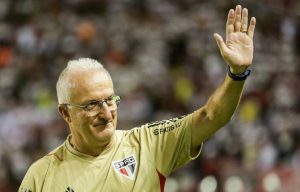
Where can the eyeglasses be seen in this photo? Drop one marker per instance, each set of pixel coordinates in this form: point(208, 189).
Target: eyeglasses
point(95, 106)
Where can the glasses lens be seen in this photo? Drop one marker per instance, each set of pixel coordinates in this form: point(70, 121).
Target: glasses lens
point(117, 100)
point(111, 103)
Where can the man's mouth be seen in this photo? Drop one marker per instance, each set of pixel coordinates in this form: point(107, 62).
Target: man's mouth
point(102, 123)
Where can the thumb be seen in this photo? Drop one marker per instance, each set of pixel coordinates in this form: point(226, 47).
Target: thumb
point(222, 46)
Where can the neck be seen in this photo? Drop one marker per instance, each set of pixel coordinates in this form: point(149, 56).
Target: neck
point(94, 149)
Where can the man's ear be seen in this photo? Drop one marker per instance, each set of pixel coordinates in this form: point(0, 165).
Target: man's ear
point(64, 112)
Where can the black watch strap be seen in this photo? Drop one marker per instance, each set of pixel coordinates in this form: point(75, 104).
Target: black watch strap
point(239, 77)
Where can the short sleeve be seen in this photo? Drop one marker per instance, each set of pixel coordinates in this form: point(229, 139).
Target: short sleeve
point(169, 142)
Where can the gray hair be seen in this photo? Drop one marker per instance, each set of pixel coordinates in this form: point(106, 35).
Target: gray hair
point(64, 82)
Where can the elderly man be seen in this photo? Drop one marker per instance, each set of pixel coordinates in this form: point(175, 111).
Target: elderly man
point(97, 157)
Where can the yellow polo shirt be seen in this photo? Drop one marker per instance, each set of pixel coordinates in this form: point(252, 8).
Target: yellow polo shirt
point(139, 160)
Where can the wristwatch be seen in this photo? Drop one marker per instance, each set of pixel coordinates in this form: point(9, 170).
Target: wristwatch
point(239, 77)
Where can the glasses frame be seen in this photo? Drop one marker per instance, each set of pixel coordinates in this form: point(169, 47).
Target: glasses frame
point(99, 102)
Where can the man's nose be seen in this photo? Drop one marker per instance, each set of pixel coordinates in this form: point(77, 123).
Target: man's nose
point(105, 112)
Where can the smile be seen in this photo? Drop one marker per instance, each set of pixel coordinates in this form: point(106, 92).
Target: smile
point(102, 123)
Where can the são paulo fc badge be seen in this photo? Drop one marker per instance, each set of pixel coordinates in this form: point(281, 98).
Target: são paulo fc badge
point(126, 167)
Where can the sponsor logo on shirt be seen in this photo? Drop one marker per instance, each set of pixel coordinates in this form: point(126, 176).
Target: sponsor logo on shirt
point(167, 128)
point(126, 167)
point(69, 189)
point(22, 189)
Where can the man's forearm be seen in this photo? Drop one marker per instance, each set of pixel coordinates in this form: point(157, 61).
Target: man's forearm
point(237, 52)
point(218, 110)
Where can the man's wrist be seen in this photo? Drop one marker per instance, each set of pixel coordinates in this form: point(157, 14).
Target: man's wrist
point(237, 71)
point(238, 75)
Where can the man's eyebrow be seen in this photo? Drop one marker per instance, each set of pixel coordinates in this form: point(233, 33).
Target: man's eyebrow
point(89, 101)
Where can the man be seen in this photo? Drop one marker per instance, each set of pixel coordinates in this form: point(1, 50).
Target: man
point(97, 157)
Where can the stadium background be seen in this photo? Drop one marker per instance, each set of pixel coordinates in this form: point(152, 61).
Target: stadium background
point(165, 63)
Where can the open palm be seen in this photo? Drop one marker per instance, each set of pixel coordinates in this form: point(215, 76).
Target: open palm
point(238, 49)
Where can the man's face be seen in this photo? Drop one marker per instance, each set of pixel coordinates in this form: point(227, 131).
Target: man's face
point(90, 129)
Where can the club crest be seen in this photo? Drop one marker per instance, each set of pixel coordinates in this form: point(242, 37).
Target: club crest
point(126, 167)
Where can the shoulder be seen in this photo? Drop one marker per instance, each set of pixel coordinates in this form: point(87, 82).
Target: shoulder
point(129, 137)
point(127, 133)
point(41, 166)
point(35, 176)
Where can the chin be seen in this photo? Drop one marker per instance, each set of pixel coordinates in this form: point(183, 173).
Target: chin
point(106, 133)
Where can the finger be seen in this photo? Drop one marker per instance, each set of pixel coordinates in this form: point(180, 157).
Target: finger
point(252, 27)
point(222, 46)
point(237, 18)
point(244, 20)
point(230, 23)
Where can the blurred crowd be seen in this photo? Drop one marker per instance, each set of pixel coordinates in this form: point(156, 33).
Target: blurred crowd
point(165, 63)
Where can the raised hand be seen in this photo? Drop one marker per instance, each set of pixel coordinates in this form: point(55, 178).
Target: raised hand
point(238, 49)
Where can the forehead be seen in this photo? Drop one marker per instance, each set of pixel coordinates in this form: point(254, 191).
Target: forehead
point(90, 84)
